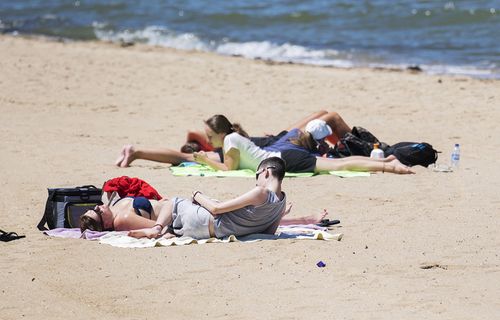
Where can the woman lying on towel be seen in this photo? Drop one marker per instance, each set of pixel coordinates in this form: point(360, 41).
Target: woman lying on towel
point(199, 141)
point(260, 210)
point(299, 150)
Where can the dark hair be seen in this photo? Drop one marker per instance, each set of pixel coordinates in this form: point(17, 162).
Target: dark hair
point(87, 222)
point(220, 124)
point(278, 164)
point(191, 147)
point(306, 141)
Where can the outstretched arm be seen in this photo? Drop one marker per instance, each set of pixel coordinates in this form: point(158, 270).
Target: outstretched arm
point(256, 196)
point(130, 221)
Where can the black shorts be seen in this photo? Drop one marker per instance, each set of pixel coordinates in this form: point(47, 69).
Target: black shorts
point(298, 161)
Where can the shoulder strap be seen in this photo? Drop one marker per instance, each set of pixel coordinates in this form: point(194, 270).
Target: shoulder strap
point(48, 210)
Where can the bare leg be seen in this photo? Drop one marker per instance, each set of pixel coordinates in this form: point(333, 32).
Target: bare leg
point(301, 124)
point(386, 159)
point(338, 125)
point(164, 219)
point(361, 164)
point(310, 219)
point(159, 155)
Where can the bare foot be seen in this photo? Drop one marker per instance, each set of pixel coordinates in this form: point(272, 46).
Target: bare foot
point(120, 157)
point(144, 233)
point(128, 155)
point(397, 167)
point(316, 218)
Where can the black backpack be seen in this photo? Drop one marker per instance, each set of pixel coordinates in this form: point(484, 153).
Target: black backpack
point(413, 153)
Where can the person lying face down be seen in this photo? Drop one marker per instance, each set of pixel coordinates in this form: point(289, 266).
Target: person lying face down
point(198, 141)
point(259, 210)
point(299, 152)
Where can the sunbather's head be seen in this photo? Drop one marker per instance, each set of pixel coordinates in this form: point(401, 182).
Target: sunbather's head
point(191, 147)
point(274, 165)
point(306, 141)
point(318, 129)
point(218, 126)
point(96, 218)
point(313, 138)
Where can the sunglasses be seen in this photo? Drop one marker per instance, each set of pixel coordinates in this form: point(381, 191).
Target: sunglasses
point(262, 170)
point(99, 212)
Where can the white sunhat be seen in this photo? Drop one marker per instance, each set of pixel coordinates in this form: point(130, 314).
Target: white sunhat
point(318, 129)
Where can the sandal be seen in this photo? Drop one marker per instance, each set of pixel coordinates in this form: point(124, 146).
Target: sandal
point(327, 222)
point(9, 236)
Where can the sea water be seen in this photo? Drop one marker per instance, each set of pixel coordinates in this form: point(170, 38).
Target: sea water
point(454, 37)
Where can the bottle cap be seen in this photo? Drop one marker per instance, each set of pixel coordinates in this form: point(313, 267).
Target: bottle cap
point(375, 145)
point(457, 145)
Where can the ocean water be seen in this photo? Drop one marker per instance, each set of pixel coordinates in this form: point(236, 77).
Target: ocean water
point(450, 37)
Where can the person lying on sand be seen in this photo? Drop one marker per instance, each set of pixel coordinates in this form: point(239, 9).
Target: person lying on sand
point(299, 150)
point(299, 154)
point(259, 210)
point(198, 141)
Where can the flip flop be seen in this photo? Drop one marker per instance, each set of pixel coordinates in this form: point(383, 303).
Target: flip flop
point(9, 236)
point(327, 222)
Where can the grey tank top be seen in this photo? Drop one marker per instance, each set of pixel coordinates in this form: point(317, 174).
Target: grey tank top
point(250, 219)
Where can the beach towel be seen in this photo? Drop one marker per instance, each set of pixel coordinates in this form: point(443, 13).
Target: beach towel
point(121, 240)
point(199, 170)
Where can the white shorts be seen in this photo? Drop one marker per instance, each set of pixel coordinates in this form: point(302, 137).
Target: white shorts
point(190, 220)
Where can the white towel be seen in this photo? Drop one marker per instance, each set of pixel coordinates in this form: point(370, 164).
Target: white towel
point(120, 239)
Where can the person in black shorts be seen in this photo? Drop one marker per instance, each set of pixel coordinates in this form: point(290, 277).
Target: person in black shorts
point(298, 148)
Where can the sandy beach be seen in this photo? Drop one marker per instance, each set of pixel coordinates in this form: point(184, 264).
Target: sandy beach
point(423, 246)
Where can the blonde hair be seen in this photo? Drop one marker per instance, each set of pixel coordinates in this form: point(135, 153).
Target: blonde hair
point(305, 140)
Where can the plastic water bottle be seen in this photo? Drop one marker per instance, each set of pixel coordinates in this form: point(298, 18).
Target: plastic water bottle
point(455, 156)
point(376, 152)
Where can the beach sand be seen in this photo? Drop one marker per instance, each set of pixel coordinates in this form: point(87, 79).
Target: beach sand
point(423, 246)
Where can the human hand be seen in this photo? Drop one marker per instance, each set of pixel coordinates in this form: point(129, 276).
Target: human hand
point(200, 157)
point(193, 200)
